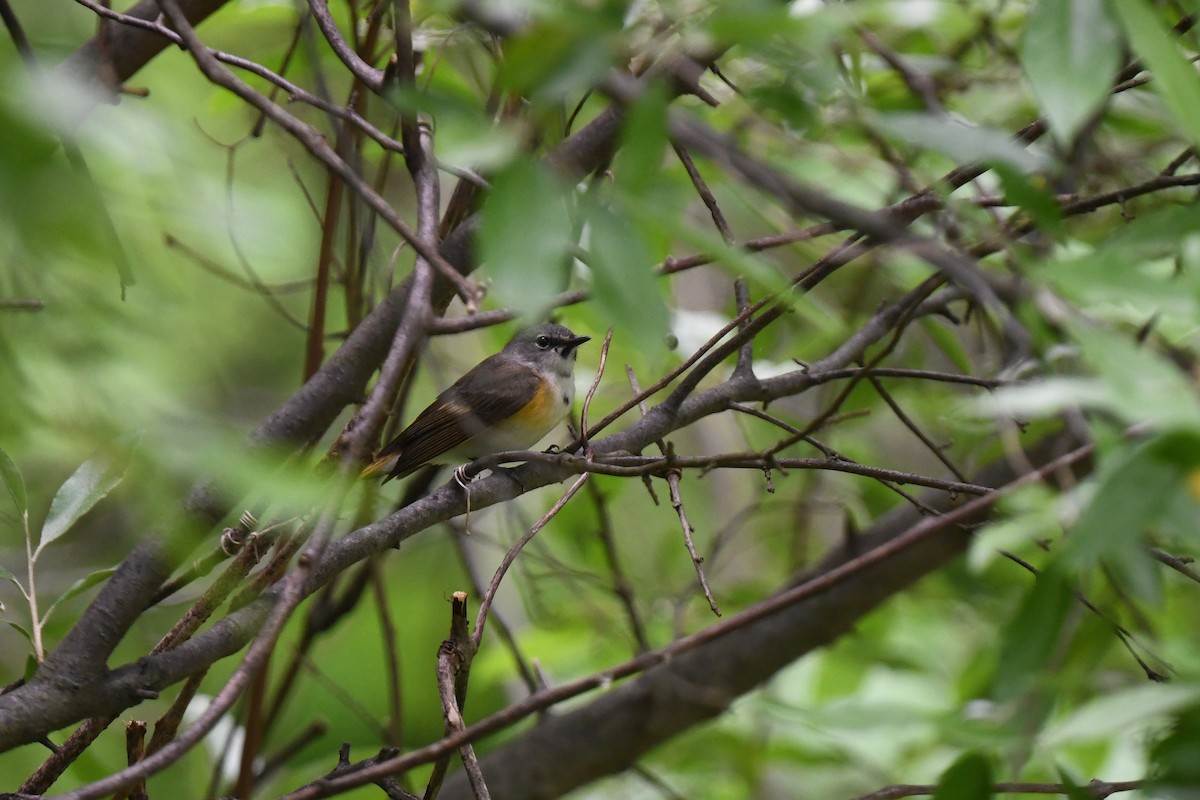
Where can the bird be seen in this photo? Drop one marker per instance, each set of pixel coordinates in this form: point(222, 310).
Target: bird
point(508, 401)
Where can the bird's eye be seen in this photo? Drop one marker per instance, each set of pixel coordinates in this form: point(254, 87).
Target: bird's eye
point(542, 342)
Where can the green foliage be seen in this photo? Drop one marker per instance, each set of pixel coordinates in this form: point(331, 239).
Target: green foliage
point(525, 240)
point(1070, 52)
point(1175, 79)
point(1034, 634)
point(961, 142)
point(14, 482)
point(86, 487)
point(174, 263)
point(1175, 772)
point(968, 778)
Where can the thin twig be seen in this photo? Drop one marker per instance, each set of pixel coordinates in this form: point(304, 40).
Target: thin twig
point(697, 562)
point(591, 392)
point(706, 195)
point(907, 421)
point(17, 34)
point(460, 536)
point(1096, 789)
point(1182, 565)
point(622, 587)
point(672, 476)
point(486, 603)
point(635, 466)
point(1122, 633)
point(484, 319)
point(744, 368)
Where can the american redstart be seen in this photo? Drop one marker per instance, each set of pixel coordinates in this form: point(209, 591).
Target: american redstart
point(506, 402)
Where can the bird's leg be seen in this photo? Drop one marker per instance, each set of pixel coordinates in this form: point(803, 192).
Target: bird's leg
point(234, 539)
point(460, 477)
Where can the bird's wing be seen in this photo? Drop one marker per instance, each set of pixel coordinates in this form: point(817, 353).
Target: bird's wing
point(471, 405)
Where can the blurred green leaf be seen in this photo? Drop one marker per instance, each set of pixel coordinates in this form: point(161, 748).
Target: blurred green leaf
point(89, 484)
point(1033, 197)
point(1141, 269)
point(1042, 398)
point(968, 778)
point(1175, 770)
point(1074, 790)
point(1131, 495)
point(525, 237)
point(79, 586)
point(757, 22)
point(947, 343)
point(1174, 77)
point(1139, 384)
point(961, 142)
point(1070, 52)
point(638, 164)
point(7, 575)
point(1033, 634)
point(21, 630)
point(562, 55)
point(1026, 515)
point(623, 278)
point(1158, 232)
point(1122, 711)
point(11, 474)
point(784, 101)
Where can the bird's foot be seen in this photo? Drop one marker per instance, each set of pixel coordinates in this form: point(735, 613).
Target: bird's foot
point(460, 476)
point(464, 482)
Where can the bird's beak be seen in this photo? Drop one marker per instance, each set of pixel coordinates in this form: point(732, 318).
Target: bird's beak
point(573, 343)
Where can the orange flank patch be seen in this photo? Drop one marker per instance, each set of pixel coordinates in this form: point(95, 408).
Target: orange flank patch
point(524, 428)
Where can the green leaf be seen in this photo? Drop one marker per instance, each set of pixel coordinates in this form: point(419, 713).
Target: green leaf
point(1130, 496)
point(961, 142)
point(623, 279)
point(1033, 634)
point(1044, 398)
point(1175, 766)
point(1174, 77)
point(559, 57)
point(1137, 271)
point(1033, 197)
point(1156, 233)
point(90, 484)
point(11, 475)
point(968, 778)
point(525, 238)
point(79, 586)
point(1120, 712)
point(638, 165)
point(21, 630)
point(1027, 515)
point(1070, 52)
point(1141, 386)
point(6, 574)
